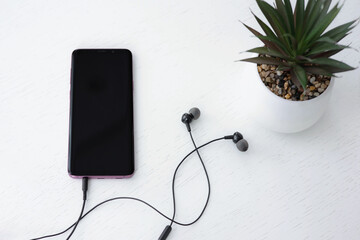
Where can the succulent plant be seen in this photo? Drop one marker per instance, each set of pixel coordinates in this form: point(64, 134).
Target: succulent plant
point(296, 40)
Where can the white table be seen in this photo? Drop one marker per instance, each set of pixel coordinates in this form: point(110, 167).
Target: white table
point(297, 186)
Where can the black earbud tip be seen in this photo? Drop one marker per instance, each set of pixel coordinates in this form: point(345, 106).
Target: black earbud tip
point(237, 137)
point(242, 145)
point(195, 112)
point(185, 118)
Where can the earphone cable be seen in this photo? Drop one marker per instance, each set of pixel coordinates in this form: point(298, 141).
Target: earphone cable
point(207, 179)
point(144, 202)
point(84, 189)
point(77, 222)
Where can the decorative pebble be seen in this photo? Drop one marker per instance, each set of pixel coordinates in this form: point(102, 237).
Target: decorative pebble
point(265, 67)
point(279, 82)
point(286, 85)
point(312, 80)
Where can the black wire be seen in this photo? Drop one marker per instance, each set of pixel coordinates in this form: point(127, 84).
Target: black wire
point(77, 222)
point(84, 189)
point(85, 181)
point(149, 205)
point(207, 178)
point(54, 235)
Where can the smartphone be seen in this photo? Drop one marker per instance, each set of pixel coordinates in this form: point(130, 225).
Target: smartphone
point(101, 131)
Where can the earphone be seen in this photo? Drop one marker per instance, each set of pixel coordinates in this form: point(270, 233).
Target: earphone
point(240, 142)
point(193, 114)
point(238, 139)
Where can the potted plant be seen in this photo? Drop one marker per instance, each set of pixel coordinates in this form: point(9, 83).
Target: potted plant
point(295, 69)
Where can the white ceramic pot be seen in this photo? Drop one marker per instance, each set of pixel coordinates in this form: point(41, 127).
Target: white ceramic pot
point(279, 114)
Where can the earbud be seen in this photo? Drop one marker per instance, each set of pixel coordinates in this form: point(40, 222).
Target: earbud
point(187, 118)
point(237, 137)
point(242, 145)
point(239, 140)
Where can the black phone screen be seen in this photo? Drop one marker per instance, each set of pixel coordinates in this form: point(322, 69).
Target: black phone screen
point(101, 113)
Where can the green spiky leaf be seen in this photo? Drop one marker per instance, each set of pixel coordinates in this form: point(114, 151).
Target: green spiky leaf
point(264, 27)
point(298, 41)
point(263, 60)
point(340, 32)
point(332, 63)
point(265, 50)
point(325, 54)
point(283, 68)
point(299, 18)
point(326, 47)
point(321, 25)
point(318, 71)
point(300, 76)
point(275, 20)
point(290, 17)
point(261, 37)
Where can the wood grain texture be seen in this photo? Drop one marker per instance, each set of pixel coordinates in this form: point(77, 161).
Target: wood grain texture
point(303, 186)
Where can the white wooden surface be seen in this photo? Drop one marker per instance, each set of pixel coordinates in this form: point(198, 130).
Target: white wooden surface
point(299, 186)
